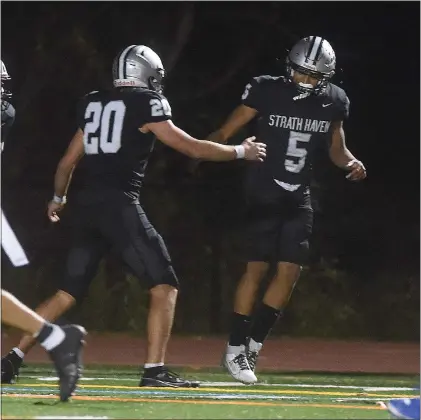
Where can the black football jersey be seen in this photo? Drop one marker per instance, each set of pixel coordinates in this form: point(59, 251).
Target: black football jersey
point(7, 119)
point(292, 125)
point(116, 152)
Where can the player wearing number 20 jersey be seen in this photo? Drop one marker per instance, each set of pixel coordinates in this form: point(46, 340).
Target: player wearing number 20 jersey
point(116, 134)
point(116, 152)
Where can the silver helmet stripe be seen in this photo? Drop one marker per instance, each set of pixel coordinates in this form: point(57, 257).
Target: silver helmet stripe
point(317, 44)
point(312, 39)
point(122, 62)
point(319, 51)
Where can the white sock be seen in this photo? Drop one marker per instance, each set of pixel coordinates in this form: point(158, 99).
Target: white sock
point(152, 365)
point(236, 350)
point(19, 352)
point(55, 338)
point(254, 345)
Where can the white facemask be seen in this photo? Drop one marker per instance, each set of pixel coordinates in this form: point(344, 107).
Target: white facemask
point(306, 85)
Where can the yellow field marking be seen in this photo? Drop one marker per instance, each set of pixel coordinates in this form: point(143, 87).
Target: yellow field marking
point(231, 391)
point(198, 402)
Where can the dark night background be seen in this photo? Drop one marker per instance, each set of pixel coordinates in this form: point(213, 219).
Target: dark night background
point(364, 277)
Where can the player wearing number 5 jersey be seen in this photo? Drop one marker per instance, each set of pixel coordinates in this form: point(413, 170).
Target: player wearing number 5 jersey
point(295, 115)
point(116, 135)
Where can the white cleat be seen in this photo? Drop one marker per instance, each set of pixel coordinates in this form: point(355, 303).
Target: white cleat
point(239, 368)
point(252, 353)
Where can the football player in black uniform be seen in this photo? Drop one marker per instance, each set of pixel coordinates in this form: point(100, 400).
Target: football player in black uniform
point(7, 109)
point(295, 114)
point(116, 134)
point(9, 241)
point(63, 344)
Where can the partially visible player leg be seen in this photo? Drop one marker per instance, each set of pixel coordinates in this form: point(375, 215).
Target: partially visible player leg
point(18, 315)
point(145, 253)
point(244, 300)
point(274, 301)
point(50, 310)
point(64, 345)
point(81, 265)
point(235, 359)
point(262, 231)
point(160, 321)
point(293, 252)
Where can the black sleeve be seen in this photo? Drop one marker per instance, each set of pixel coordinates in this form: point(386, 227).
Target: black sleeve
point(252, 94)
point(342, 107)
point(345, 108)
point(155, 107)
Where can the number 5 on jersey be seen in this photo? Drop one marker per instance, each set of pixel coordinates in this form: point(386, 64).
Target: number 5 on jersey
point(298, 154)
point(109, 140)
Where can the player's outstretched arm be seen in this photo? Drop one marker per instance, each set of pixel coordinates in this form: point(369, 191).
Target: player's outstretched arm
point(179, 140)
point(236, 120)
point(63, 175)
point(342, 157)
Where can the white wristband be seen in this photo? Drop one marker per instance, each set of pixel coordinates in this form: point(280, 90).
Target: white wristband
point(240, 151)
point(59, 200)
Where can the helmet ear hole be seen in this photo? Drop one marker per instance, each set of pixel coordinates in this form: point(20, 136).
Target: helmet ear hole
point(155, 84)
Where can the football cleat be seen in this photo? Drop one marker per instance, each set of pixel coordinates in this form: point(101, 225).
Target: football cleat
point(10, 365)
point(163, 377)
point(67, 359)
point(239, 368)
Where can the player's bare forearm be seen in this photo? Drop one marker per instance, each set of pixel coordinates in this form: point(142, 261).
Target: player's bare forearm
point(179, 140)
point(248, 150)
point(338, 152)
point(62, 179)
point(236, 120)
point(217, 137)
point(205, 150)
point(341, 158)
point(208, 150)
point(68, 163)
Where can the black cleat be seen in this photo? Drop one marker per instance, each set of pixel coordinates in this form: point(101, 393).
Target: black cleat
point(67, 358)
point(162, 377)
point(10, 365)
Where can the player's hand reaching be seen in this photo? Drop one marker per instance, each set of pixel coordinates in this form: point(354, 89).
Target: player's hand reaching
point(53, 209)
point(254, 151)
point(357, 170)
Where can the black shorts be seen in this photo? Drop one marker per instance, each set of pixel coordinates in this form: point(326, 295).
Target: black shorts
point(279, 226)
point(122, 228)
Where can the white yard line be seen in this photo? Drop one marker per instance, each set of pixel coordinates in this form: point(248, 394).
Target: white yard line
point(232, 396)
point(238, 384)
